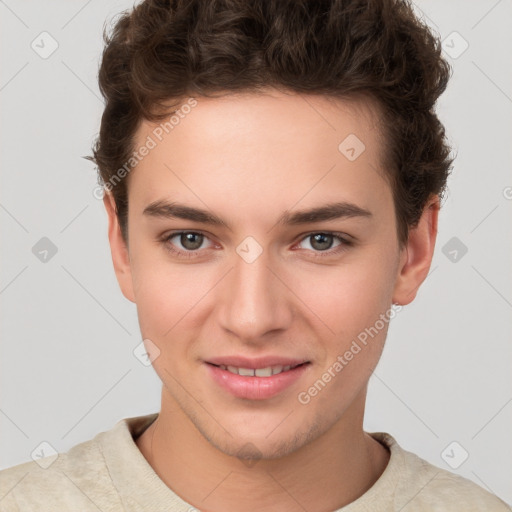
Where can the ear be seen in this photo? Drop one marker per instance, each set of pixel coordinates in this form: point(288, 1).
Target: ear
point(416, 256)
point(119, 250)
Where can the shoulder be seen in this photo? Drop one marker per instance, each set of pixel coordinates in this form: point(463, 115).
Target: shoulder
point(78, 478)
point(422, 486)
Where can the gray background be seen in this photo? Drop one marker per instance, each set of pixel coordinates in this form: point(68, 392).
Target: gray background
point(67, 333)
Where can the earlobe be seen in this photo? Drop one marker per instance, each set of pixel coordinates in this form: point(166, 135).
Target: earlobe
point(416, 256)
point(118, 249)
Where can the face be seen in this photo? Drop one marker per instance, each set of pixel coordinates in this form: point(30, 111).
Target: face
point(264, 283)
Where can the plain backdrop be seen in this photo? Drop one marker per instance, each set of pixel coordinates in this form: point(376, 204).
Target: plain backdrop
point(68, 371)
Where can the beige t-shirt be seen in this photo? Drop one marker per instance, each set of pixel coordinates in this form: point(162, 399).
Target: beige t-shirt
point(109, 473)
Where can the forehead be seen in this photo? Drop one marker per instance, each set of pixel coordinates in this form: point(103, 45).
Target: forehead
point(261, 149)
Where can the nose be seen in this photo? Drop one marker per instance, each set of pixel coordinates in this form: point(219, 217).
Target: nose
point(255, 300)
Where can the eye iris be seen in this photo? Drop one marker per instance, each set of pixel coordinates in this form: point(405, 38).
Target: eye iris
point(187, 238)
point(321, 237)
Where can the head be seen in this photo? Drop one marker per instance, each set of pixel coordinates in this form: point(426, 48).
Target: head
point(256, 113)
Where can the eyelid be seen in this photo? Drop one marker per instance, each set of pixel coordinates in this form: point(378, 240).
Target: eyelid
point(346, 242)
point(337, 234)
point(165, 239)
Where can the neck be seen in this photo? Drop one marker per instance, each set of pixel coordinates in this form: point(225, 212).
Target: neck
point(329, 472)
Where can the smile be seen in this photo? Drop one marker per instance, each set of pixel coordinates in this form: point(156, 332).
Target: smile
point(257, 372)
point(256, 383)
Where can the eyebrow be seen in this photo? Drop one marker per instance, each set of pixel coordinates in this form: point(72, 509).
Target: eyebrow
point(331, 211)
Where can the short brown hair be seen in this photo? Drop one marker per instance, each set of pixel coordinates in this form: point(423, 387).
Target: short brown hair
point(165, 50)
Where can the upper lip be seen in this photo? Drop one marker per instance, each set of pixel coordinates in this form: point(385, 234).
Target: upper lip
point(255, 363)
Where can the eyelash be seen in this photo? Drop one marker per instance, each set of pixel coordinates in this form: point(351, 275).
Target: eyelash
point(345, 244)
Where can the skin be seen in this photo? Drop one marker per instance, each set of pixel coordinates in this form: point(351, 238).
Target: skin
point(248, 158)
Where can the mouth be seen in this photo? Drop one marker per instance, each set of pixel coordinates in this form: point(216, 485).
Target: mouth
point(267, 371)
point(257, 383)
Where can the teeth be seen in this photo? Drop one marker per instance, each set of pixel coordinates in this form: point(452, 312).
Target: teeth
point(259, 372)
point(277, 369)
point(263, 372)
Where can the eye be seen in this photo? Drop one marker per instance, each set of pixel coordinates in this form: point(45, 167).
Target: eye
point(191, 241)
point(322, 242)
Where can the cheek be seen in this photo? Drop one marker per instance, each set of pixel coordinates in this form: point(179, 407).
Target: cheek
point(351, 305)
point(166, 298)
point(165, 295)
point(345, 298)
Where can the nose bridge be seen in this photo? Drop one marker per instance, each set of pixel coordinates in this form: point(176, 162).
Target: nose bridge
point(254, 301)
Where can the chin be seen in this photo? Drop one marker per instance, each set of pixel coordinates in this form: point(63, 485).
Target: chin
point(265, 444)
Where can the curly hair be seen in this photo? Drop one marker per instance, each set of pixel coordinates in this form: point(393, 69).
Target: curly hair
point(165, 50)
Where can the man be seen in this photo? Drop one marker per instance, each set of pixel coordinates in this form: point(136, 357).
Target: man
point(273, 173)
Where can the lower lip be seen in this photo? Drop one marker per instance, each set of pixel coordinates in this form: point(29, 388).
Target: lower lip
point(255, 388)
